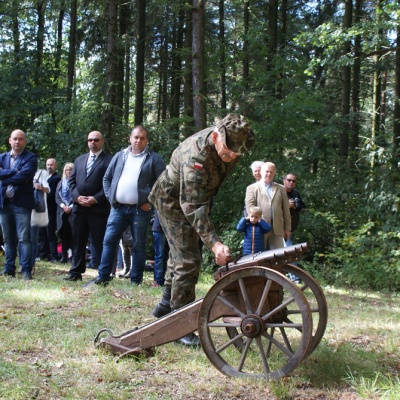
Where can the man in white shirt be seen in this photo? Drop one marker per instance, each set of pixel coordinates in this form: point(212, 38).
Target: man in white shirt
point(127, 184)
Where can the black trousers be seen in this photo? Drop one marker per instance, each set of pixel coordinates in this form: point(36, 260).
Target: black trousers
point(83, 223)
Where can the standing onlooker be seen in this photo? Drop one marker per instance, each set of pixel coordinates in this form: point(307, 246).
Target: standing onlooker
point(272, 199)
point(296, 204)
point(161, 250)
point(17, 169)
point(54, 178)
point(254, 228)
point(64, 209)
point(182, 196)
point(39, 220)
point(127, 184)
point(256, 169)
point(91, 209)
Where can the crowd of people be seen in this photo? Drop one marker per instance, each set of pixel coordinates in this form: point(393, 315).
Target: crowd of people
point(109, 201)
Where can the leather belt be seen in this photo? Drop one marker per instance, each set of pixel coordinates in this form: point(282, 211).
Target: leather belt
point(118, 205)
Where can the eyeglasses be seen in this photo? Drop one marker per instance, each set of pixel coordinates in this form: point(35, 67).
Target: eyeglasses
point(93, 140)
point(291, 180)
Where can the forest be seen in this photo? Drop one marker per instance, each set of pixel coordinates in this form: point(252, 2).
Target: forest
point(318, 80)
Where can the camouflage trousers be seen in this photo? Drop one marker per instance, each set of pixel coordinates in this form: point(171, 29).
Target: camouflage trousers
point(184, 261)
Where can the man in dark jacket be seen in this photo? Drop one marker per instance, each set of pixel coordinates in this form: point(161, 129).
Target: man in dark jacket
point(17, 169)
point(296, 204)
point(127, 184)
point(91, 209)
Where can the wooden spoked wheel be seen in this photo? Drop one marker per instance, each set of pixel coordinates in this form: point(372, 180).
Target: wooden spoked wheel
point(255, 303)
point(316, 300)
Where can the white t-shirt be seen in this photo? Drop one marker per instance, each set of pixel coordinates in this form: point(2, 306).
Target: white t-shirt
point(127, 187)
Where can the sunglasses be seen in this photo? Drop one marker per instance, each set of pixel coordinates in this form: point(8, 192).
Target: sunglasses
point(94, 140)
point(291, 180)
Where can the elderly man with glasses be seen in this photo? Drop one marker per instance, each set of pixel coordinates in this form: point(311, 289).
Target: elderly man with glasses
point(182, 196)
point(91, 208)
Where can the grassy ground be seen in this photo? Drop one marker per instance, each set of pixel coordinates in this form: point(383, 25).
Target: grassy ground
point(47, 327)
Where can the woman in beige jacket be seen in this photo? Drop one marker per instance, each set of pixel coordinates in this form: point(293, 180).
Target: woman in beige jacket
point(272, 199)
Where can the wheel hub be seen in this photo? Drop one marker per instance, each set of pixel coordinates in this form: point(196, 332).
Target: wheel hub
point(252, 326)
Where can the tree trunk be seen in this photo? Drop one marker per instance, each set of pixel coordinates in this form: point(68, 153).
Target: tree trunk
point(57, 62)
point(346, 86)
point(164, 78)
point(72, 50)
point(396, 116)
point(355, 103)
point(124, 19)
point(222, 58)
point(140, 58)
point(176, 76)
point(15, 31)
point(40, 8)
point(111, 71)
point(187, 75)
point(272, 34)
point(198, 65)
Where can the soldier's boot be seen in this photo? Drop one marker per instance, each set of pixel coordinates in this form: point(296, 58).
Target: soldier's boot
point(190, 340)
point(164, 306)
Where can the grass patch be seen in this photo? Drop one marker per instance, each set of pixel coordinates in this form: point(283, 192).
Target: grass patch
point(47, 327)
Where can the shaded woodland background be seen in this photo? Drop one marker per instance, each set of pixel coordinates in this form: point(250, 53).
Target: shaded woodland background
point(319, 81)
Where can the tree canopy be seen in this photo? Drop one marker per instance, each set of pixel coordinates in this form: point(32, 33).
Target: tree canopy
point(319, 81)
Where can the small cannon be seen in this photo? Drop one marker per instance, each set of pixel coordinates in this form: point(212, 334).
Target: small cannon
point(253, 322)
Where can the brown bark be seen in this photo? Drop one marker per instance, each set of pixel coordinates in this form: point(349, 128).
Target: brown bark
point(396, 123)
point(140, 58)
point(72, 50)
point(222, 57)
point(198, 65)
point(187, 75)
point(346, 86)
point(111, 71)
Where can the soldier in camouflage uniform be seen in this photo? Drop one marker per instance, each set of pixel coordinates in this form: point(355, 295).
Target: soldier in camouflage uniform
point(182, 197)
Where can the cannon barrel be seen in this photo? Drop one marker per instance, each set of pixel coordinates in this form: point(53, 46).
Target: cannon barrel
point(270, 259)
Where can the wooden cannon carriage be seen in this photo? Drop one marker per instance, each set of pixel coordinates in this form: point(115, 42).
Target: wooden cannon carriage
point(253, 322)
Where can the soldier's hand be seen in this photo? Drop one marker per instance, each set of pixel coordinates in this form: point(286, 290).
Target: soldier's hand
point(222, 254)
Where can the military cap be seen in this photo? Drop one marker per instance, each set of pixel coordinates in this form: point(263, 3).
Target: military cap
point(236, 132)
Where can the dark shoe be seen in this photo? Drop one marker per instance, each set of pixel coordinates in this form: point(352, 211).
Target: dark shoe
point(73, 278)
point(53, 260)
point(26, 276)
point(164, 306)
point(9, 274)
point(190, 340)
point(98, 281)
point(63, 261)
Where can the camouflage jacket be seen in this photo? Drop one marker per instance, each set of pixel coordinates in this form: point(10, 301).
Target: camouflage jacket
point(192, 179)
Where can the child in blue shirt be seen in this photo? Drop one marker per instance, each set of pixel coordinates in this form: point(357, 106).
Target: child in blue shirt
point(254, 228)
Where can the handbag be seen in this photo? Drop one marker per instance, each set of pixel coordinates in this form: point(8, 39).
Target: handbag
point(40, 205)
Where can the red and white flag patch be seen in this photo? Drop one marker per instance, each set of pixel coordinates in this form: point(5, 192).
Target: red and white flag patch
point(197, 165)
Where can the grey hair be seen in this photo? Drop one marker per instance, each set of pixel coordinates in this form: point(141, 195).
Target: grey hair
point(256, 164)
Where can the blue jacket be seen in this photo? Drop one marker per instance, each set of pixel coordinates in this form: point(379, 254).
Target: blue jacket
point(253, 235)
point(20, 176)
point(151, 168)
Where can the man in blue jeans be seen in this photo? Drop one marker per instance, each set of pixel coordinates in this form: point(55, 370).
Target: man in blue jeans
point(17, 169)
point(127, 184)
